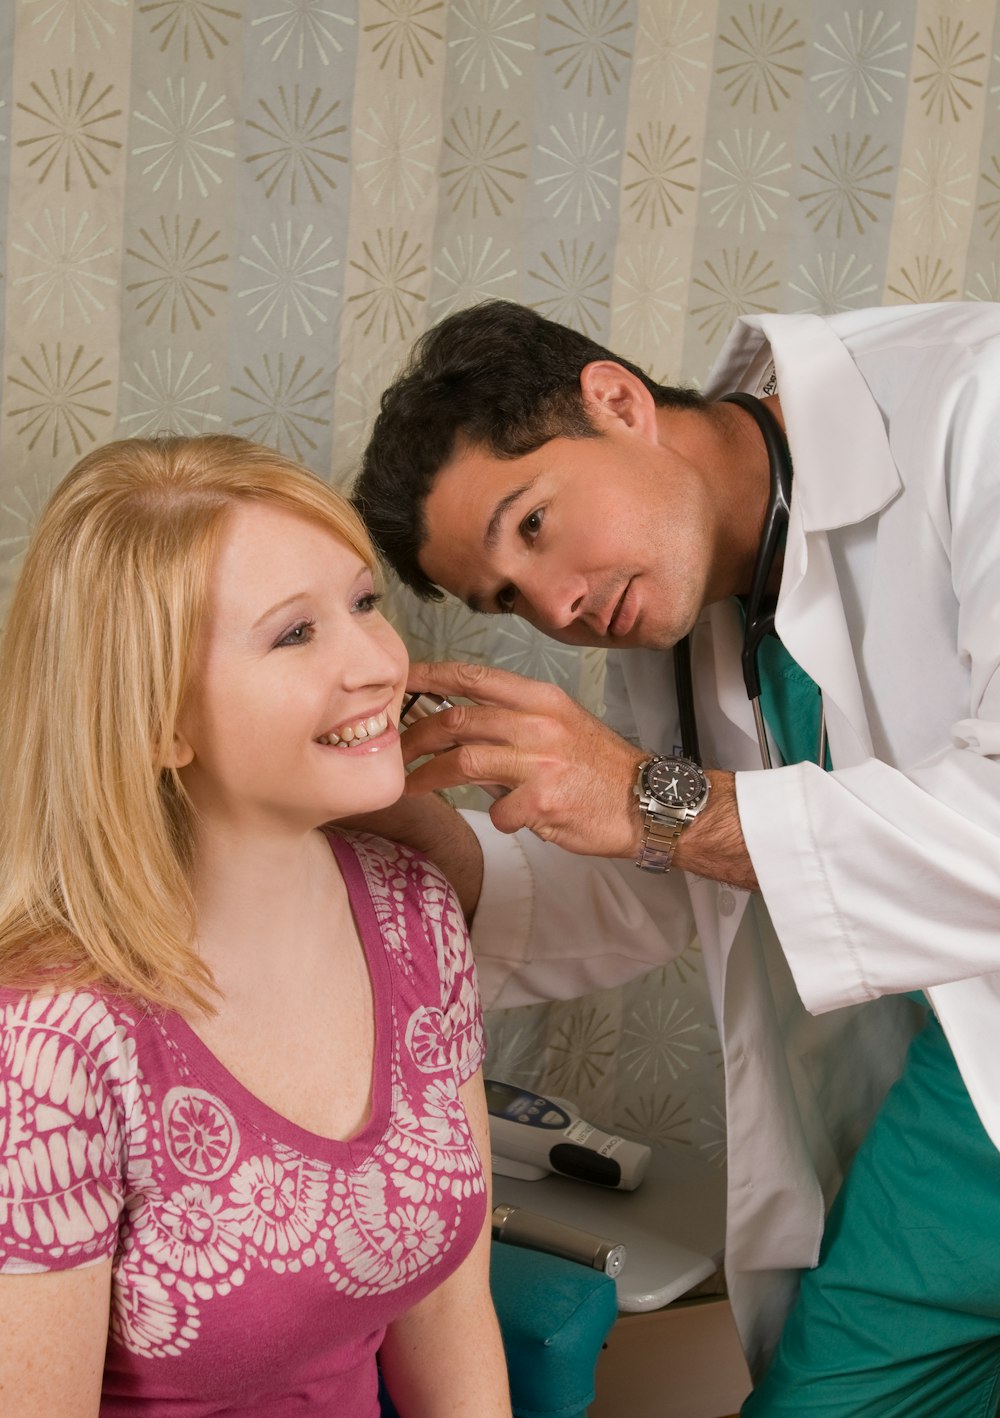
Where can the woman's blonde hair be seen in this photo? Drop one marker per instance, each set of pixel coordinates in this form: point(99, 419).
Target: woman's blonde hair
point(95, 828)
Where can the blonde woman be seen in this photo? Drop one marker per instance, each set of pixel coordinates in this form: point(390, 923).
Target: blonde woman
point(241, 1115)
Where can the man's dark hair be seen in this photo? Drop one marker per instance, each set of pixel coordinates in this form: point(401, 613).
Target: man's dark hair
point(497, 376)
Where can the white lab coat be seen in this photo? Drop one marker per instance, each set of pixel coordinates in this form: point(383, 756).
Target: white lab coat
point(880, 877)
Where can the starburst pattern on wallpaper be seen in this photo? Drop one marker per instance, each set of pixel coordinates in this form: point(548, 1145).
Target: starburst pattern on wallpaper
point(303, 144)
point(169, 399)
point(581, 1049)
point(185, 134)
point(663, 1119)
point(64, 278)
point(59, 395)
point(20, 505)
point(573, 284)
point(985, 283)
point(526, 651)
point(178, 275)
point(579, 154)
point(673, 51)
point(925, 279)
point(989, 204)
point(951, 57)
point(285, 401)
point(72, 115)
point(291, 269)
point(763, 48)
point(394, 145)
point(644, 306)
point(659, 1039)
point(471, 269)
point(487, 45)
point(740, 283)
point(302, 30)
point(194, 26)
point(405, 35)
point(834, 282)
point(851, 177)
point(477, 162)
point(741, 182)
point(857, 54)
point(391, 269)
point(79, 20)
point(936, 190)
point(660, 174)
point(593, 46)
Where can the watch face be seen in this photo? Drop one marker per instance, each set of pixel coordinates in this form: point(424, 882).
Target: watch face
point(674, 782)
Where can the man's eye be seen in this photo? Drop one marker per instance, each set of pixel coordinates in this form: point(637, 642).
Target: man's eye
point(532, 524)
point(299, 634)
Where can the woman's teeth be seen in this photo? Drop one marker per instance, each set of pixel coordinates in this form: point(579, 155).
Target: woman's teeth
point(357, 733)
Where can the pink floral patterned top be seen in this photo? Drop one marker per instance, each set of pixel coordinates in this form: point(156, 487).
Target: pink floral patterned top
point(256, 1265)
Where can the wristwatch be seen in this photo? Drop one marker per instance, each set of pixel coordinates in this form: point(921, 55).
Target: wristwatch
point(671, 792)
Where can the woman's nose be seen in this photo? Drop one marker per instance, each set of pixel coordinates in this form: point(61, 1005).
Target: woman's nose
point(378, 655)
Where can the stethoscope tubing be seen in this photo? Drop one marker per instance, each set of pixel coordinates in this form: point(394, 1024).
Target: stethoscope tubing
point(762, 602)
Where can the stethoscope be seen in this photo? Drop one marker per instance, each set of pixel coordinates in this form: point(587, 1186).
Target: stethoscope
point(761, 603)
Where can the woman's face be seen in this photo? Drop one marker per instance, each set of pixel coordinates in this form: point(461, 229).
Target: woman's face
point(291, 720)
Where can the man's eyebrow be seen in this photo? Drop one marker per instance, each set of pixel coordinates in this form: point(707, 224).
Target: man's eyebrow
point(500, 511)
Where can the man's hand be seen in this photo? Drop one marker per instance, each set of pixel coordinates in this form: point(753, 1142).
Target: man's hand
point(569, 778)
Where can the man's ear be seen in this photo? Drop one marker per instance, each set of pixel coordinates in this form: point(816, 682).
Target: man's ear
point(611, 392)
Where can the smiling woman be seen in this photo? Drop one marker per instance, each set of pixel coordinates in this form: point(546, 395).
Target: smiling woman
point(232, 1167)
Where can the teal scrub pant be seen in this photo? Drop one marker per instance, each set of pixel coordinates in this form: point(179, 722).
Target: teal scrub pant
point(901, 1318)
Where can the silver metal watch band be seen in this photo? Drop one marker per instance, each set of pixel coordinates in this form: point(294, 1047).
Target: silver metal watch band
point(659, 838)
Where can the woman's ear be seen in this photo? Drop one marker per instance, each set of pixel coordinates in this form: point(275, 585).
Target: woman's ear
point(611, 392)
point(180, 753)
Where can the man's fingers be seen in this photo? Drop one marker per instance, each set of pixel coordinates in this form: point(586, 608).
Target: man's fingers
point(469, 763)
point(482, 683)
point(468, 724)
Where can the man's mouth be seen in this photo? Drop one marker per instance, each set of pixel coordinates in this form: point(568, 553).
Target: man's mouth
point(620, 621)
point(356, 734)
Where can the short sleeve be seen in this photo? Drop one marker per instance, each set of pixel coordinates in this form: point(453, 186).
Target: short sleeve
point(461, 1010)
point(61, 1130)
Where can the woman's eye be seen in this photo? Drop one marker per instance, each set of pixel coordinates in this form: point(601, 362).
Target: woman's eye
point(299, 634)
point(532, 524)
point(368, 602)
point(505, 599)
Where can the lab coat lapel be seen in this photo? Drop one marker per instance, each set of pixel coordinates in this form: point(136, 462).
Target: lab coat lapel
point(843, 474)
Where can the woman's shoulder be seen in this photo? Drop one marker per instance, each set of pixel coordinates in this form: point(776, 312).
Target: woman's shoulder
point(395, 868)
point(69, 1029)
point(415, 906)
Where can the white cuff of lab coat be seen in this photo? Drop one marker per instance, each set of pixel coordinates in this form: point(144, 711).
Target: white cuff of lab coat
point(788, 861)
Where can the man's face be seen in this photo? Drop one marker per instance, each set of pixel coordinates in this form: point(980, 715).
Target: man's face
point(599, 541)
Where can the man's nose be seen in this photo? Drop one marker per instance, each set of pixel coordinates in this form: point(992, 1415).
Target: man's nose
point(555, 601)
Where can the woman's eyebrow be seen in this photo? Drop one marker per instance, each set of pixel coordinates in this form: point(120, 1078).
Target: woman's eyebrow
point(279, 606)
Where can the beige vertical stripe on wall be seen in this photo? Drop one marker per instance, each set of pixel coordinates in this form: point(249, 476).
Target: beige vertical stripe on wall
point(939, 163)
point(63, 276)
point(668, 101)
point(395, 127)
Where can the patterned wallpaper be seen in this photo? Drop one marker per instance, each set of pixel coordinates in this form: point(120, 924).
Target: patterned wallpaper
point(237, 215)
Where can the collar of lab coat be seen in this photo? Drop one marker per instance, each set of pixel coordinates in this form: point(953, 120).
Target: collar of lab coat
point(844, 473)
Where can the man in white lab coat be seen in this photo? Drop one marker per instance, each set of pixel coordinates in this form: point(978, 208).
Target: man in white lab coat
point(525, 469)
